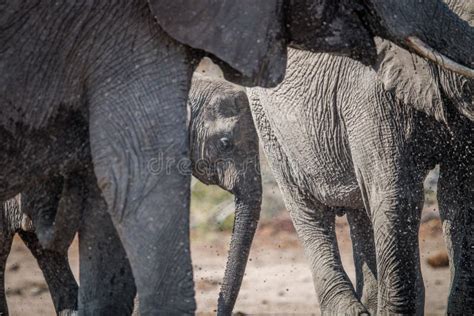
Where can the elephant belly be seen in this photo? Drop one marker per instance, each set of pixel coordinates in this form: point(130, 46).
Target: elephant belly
point(313, 138)
point(329, 181)
point(29, 156)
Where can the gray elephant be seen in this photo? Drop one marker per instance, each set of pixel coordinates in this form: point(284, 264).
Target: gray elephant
point(224, 152)
point(342, 137)
point(123, 71)
point(70, 204)
point(53, 263)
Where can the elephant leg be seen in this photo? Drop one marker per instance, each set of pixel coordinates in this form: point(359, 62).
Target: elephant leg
point(57, 273)
point(390, 174)
point(315, 226)
point(363, 246)
point(5, 247)
point(456, 201)
point(41, 203)
point(140, 150)
point(395, 208)
point(316, 230)
point(107, 285)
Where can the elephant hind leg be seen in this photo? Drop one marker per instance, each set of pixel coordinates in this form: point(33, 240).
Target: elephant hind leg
point(107, 284)
point(363, 246)
point(5, 246)
point(316, 230)
point(394, 204)
point(41, 203)
point(456, 200)
point(56, 271)
point(315, 226)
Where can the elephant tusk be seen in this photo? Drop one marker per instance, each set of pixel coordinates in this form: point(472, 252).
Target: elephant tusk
point(429, 53)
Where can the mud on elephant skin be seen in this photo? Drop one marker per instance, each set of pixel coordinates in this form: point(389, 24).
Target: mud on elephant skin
point(100, 62)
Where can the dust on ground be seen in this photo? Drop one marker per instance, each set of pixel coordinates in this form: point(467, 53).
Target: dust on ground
point(277, 281)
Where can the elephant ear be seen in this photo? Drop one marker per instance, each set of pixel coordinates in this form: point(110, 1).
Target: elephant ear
point(249, 44)
point(411, 79)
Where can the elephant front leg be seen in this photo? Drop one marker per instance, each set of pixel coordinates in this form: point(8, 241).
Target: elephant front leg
point(316, 230)
point(456, 201)
point(139, 142)
point(5, 247)
point(41, 204)
point(395, 215)
point(57, 273)
point(107, 284)
point(362, 236)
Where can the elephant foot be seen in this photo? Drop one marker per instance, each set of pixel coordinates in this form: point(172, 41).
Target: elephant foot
point(101, 310)
point(68, 312)
point(352, 307)
point(370, 302)
point(164, 311)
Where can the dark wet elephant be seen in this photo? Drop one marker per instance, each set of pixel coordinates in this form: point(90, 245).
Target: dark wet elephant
point(123, 70)
point(53, 263)
point(224, 152)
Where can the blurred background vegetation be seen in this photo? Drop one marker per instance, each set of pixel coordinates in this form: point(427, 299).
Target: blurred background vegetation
point(212, 209)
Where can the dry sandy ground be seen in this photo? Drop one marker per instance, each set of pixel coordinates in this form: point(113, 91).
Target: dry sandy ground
point(278, 280)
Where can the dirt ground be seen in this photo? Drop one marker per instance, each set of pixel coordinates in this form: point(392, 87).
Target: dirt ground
point(277, 281)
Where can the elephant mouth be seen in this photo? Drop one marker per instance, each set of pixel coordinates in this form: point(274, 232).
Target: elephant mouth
point(208, 174)
point(428, 52)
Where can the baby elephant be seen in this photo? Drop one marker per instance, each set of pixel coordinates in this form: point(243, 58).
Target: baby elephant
point(224, 152)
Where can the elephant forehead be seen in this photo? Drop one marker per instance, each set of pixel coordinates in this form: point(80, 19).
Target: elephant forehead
point(221, 125)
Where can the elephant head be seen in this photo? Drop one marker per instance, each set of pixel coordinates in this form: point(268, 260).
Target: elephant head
point(249, 39)
point(424, 85)
point(225, 152)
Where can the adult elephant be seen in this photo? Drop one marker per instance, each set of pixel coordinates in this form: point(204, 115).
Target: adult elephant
point(224, 152)
point(341, 136)
point(124, 70)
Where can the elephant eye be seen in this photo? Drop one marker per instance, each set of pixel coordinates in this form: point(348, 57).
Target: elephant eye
point(225, 144)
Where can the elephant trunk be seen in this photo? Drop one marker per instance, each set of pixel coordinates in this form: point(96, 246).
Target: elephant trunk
point(247, 214)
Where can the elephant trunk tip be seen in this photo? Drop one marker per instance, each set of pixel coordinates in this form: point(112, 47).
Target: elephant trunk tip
point(223, 307)
point(429, 53)
point(245, 224)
